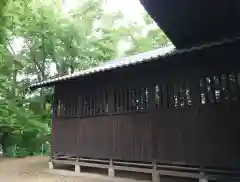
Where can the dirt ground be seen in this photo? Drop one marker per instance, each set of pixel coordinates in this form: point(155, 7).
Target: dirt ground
point(34, 169)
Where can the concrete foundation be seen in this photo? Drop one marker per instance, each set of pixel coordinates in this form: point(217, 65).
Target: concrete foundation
point(77, 169)
point(203, 180)
point(111, 172)
point(50, 165)
point(155, 177)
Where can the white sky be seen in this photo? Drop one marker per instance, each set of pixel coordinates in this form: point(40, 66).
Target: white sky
point(132, 9)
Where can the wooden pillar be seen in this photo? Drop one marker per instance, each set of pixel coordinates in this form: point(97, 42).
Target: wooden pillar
point(111, 171)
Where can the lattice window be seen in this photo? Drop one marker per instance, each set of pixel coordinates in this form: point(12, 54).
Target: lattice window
point(178, 95)
point(83, 105)
point(130, 99)
point(219, 88)
point(94, 104)
point(157, 95)
point(61, 108)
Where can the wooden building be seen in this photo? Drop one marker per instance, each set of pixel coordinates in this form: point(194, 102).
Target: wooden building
point(173, 114)
point(190, 23)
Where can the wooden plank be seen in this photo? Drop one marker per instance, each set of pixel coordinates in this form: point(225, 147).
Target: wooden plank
point(133, 169)
point(93, 160)
point(165, 95)
point(151, 97)
point(126, 97)
point(179, 174)
point(129, 99)
point(93, 165)
point(111, 101)
point(132, 163)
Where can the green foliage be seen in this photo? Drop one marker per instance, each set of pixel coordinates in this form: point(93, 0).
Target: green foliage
point(35, 35)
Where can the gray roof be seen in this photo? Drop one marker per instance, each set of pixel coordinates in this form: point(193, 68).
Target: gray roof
point(113, 64)
point(164, 51)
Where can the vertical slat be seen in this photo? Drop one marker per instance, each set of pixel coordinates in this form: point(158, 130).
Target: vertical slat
point(236, 85)
point(204, 96)
point(160, 96)
point(70, 109)
point(67, 107)
point(101, 102)
point(91, 104)
point(194, 84)
point(170, 94)
point(165, 95)
point(130, 99)
point(181, 94)
point(126, 94)
point(116, 100)
point(176, 91)
point(224, 86)
point(134, 99)
point(210, 89)
point(111, 101)
point(233, 86)
point(79, 111)
point(140, 99)
point(151, 96)
point(94, 104)
point(73, 106)
point(138, 94)
point(84, 106)
point(54, 104)
point(145, 98)
point(104, 102)
point(123, 101)
point(188, 93)
point(120, 109)
point(228, 88)
point(76, 105)
point(97, 103)
point(217, 86)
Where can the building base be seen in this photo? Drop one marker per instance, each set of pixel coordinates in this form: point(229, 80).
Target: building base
point(50, 165)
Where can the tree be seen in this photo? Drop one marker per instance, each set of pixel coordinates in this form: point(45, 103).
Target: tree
point(47, 37)
point(152, 38)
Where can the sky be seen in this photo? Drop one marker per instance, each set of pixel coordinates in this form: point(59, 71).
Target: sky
point(132, 9)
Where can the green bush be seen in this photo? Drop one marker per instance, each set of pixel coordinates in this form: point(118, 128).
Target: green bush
point(22, 152)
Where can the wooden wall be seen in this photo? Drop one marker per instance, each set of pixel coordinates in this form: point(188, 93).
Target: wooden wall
point(208, 137)
point(183, 113)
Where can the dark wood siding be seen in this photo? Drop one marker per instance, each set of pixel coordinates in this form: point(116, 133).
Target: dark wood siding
point(185, 113)
point(185, 136)
point(65, 136)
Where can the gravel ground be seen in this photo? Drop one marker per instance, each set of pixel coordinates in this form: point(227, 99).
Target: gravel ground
point(35, 169)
